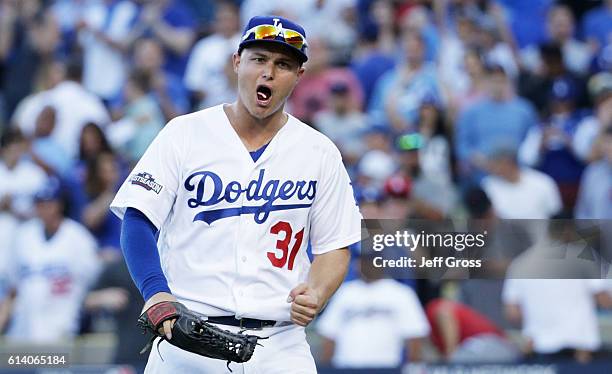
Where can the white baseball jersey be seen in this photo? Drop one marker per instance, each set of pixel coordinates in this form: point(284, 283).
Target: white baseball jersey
point(51, 277)
point(21, 183)
point(370, 322)
point(557, 313)
point(234, 232)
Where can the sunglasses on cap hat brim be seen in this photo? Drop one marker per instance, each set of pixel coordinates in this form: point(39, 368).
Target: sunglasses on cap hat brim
point(271, 32)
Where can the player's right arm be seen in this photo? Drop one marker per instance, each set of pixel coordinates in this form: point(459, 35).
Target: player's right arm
point(142, 259)
point(143, 202)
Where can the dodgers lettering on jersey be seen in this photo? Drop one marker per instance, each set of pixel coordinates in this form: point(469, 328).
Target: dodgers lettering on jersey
point(234, 232)
point(254, 191)
point(58, 276)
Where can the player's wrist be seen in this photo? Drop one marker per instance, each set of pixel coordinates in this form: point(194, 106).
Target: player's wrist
point(158, 298)
point(319, 295)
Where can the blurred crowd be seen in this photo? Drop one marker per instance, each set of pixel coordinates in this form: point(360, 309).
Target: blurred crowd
point(440, 108)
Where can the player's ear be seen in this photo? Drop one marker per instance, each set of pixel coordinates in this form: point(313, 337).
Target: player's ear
point(300, 71)
point(236, 61)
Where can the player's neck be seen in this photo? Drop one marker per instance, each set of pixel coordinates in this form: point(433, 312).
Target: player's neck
point(254, 132)
point(51, 228)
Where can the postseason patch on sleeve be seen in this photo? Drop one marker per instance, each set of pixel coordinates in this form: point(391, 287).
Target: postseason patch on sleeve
point(146, 181)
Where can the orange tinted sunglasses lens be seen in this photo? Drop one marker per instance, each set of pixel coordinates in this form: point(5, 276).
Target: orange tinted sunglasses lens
point(265, 32)
point(294, 38)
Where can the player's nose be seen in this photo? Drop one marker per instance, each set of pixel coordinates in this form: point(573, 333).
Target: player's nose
point(268, 72)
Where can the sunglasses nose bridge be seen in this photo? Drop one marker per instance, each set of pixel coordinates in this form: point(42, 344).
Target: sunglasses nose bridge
point(267, 32)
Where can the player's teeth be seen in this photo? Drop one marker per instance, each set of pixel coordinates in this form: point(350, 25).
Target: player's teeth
point(261, 96)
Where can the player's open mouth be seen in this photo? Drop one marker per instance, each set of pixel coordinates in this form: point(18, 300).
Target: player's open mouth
point(264, 94)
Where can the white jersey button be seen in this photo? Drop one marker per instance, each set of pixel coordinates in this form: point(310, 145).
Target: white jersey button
point(244, 259)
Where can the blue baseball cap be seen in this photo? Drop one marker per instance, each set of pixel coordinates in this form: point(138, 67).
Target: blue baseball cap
point(248, 36)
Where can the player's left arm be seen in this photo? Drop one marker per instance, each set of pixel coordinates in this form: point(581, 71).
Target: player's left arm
point(326, 274)
point(334, 225)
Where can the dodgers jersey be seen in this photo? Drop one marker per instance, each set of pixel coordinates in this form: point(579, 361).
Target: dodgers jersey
point(234, 232)
point(51, 277)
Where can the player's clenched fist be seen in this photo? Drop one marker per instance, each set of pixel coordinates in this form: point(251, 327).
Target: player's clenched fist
point(305, 304)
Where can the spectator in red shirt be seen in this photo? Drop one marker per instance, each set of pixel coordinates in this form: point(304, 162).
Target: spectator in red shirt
point(312, 94)
point(461, 334)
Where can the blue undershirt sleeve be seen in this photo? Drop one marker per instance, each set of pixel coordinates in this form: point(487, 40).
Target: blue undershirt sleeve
point(140, 252)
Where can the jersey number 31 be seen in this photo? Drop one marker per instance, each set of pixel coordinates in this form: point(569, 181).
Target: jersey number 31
point(279, 258)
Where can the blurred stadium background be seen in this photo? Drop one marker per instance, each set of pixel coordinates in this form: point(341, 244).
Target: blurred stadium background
point(442, 109)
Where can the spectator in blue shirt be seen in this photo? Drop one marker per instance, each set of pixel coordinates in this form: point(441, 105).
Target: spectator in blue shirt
point(371, 62)
point(399, 93)
point(501, 117)
point(536, 87)
point(166, 88)
point(549, 147)
point(527, 19)
point(172, 24)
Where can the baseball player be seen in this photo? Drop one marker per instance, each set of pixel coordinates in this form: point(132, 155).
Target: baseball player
point(53, 263)
point(236, 193)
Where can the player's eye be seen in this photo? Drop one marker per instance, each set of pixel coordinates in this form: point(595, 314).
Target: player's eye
point(258, 59)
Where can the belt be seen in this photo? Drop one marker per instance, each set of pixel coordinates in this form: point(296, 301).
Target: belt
point(243, 323)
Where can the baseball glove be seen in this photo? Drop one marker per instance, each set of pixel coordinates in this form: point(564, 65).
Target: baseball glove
point(192, 333)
